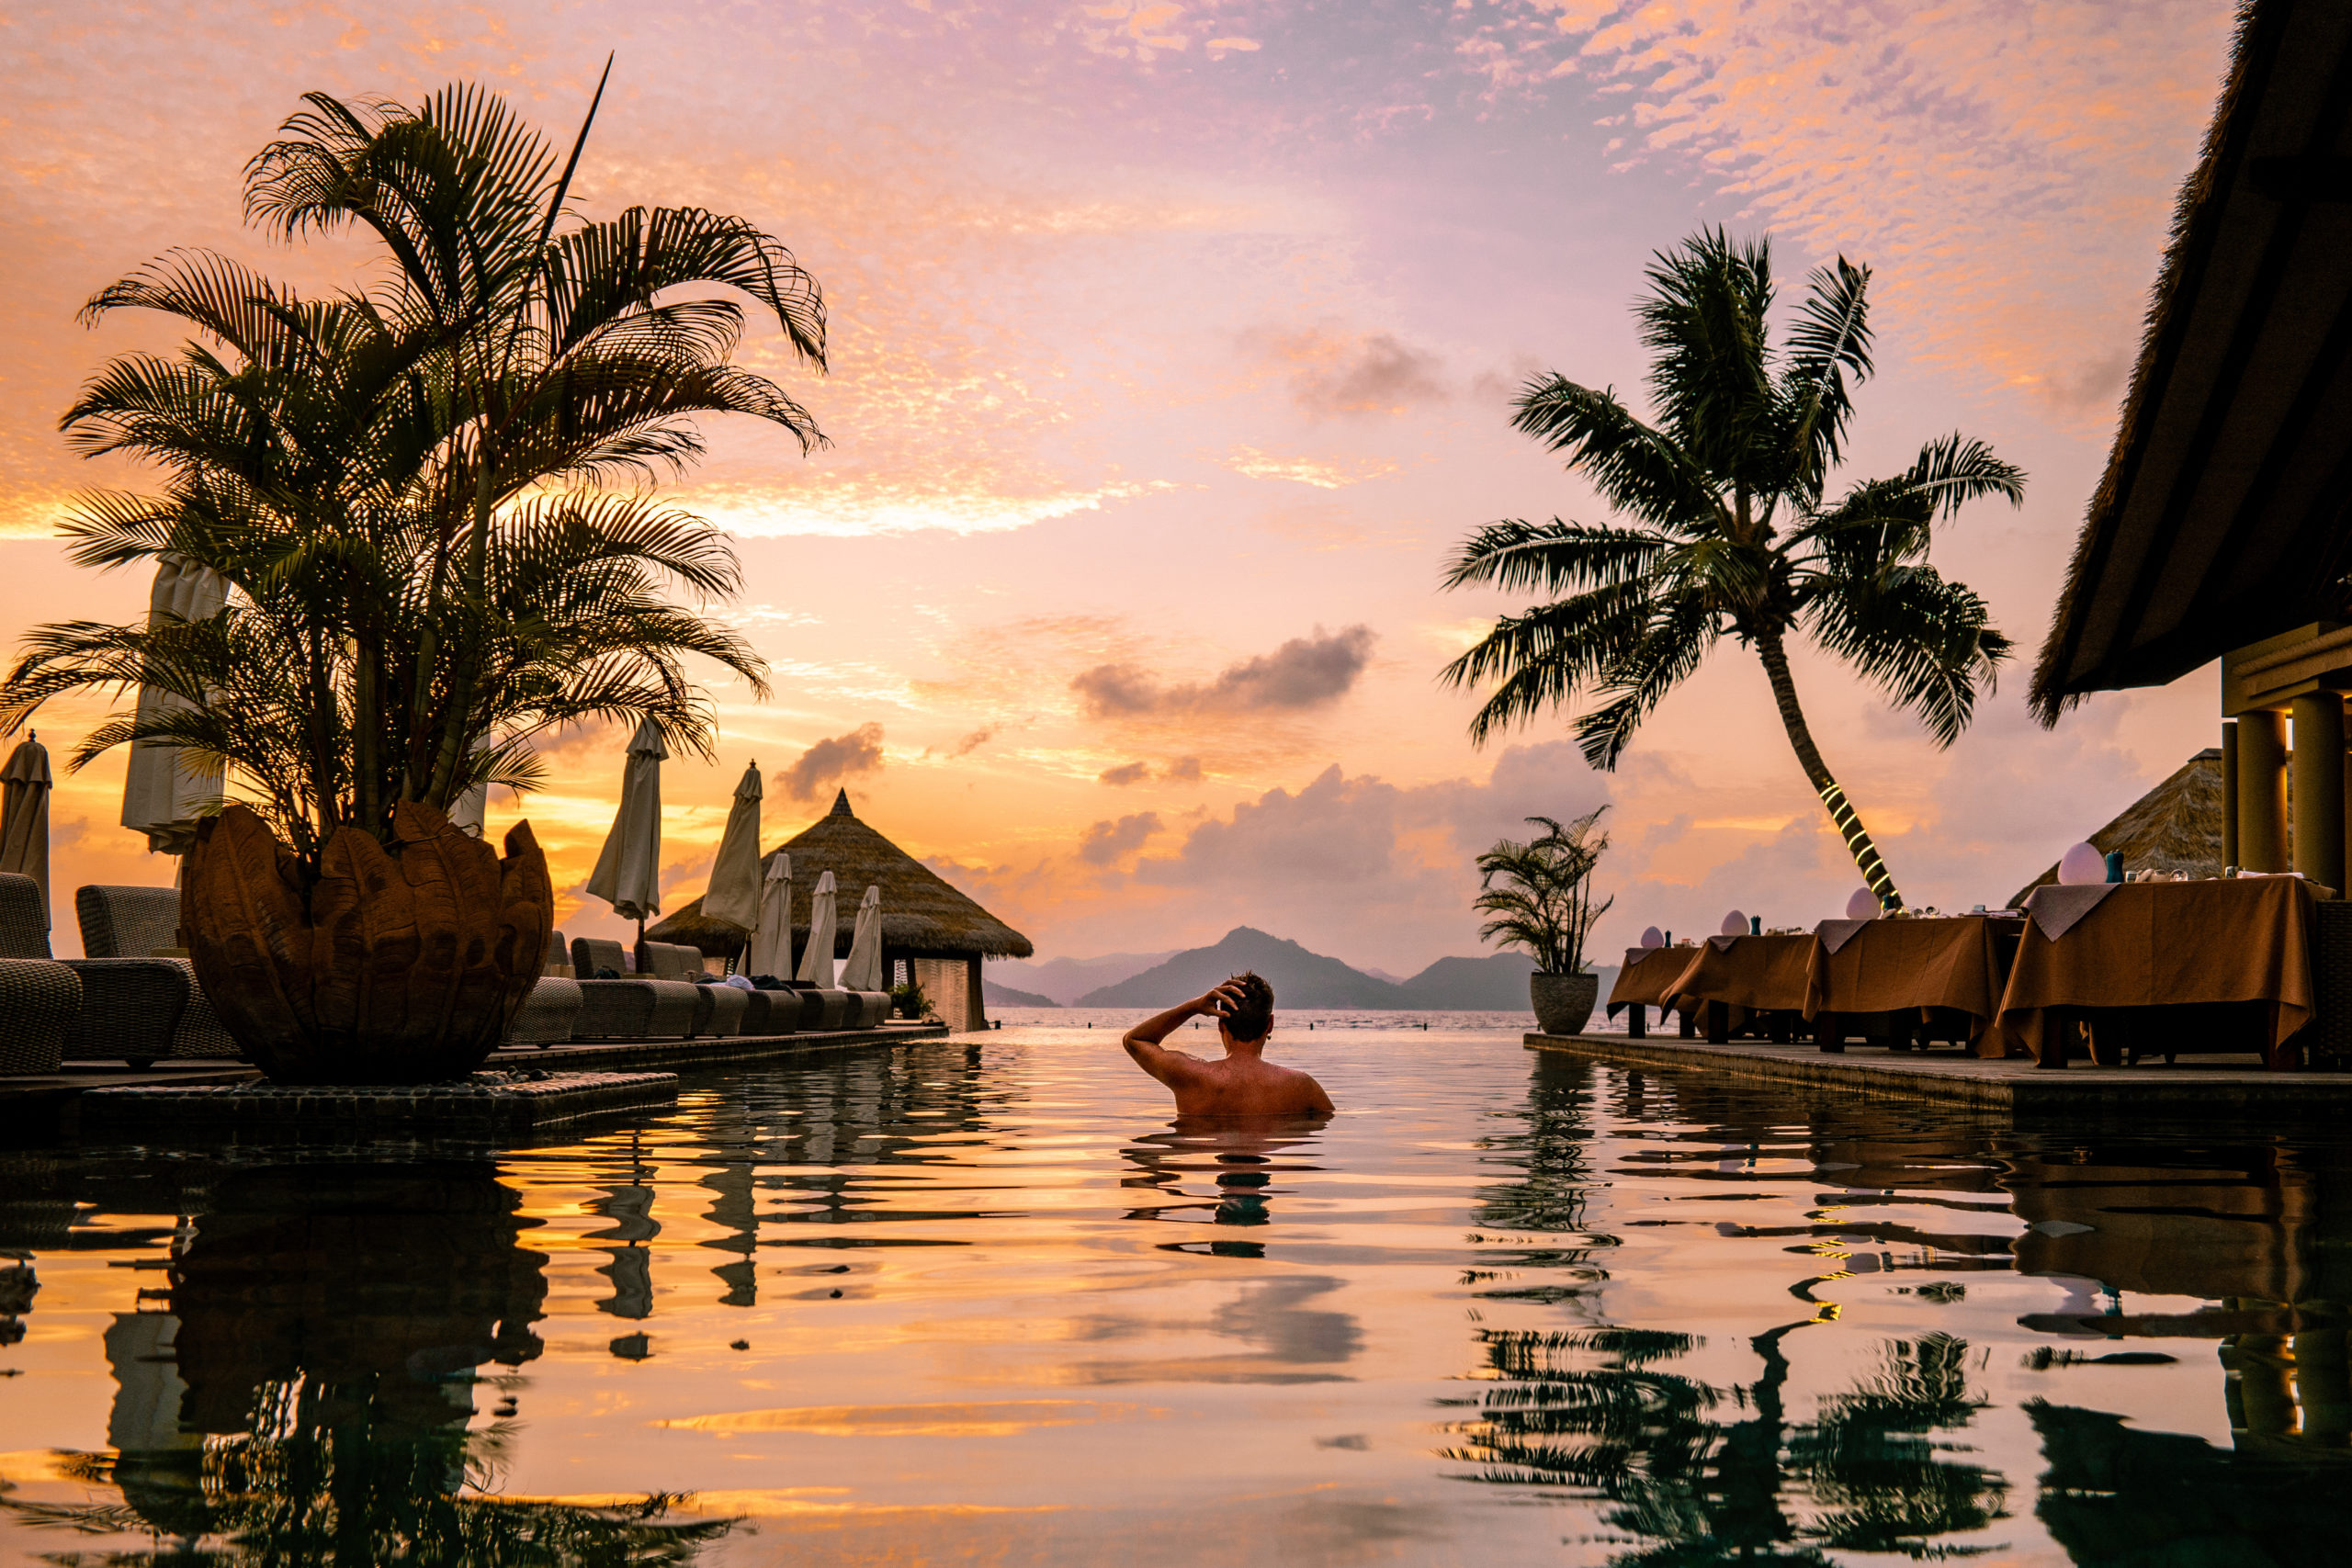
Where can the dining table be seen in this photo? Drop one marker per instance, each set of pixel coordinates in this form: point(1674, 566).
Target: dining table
point(1649, 973)
point(1729, 976)
point(1898, 978)
point(2133, 968)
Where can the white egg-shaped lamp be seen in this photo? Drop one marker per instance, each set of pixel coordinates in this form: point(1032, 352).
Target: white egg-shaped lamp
point(1653, 936)
point(2083, 863)
point(1862, 905)
point(1734, 924)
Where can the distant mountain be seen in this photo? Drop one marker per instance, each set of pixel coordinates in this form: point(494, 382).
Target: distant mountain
point(998, 996)
point(1064, 980)
point(1300, 978)
point(1494, 984)
point(1379, 973)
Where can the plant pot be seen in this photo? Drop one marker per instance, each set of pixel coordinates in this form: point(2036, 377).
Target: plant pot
point(1564, 1003)
point(403, 965)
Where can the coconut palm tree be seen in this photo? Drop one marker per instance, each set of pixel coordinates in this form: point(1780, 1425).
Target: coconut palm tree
point(1729, 528)
point(401, 482)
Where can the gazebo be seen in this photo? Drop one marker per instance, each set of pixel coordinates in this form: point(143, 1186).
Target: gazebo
point(941, 934)
point(2221, 529)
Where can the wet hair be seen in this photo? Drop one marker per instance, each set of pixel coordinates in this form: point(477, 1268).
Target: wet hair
point(1253, 1015)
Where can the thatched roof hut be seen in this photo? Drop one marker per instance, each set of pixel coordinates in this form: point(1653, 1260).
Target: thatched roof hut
point(2220, 521)
point(922, 916)
point(2174, 827)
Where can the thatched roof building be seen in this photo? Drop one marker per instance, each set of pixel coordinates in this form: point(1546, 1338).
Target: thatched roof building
point(2174, 827)
point(922, 916)
point(940, 932)
point(2221, 520)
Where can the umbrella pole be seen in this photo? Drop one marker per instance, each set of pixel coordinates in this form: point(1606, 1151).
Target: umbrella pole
point(640, 944)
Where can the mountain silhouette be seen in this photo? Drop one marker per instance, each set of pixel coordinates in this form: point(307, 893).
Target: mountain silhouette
point(1305, 979)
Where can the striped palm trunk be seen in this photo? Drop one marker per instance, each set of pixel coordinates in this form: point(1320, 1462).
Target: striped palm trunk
point(1849, 821)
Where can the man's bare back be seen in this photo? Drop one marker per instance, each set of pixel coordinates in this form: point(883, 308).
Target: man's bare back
point(1244, 1083)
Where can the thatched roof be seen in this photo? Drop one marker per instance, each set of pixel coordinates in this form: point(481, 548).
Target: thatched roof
point(2174, 827)
point(2221, 520)
point(921, 914)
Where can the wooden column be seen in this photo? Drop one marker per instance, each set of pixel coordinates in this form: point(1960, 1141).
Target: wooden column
point(2262, 790)
point(2229, 792)
point(2319, 788)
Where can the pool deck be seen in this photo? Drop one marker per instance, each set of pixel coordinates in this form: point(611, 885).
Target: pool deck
point(38, 1103)
point(2221, 1085)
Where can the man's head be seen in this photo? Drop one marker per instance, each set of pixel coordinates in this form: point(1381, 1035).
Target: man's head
point(1247, 1020)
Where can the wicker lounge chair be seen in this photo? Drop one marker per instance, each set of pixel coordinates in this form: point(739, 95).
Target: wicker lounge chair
point(728, 1010)
point(770, 1012)
point(140, 923)
point(719, 1012)
point(39, 997)
point(634, 1009)
point(682, 964)
point(552, 1010)
point(127, 1008)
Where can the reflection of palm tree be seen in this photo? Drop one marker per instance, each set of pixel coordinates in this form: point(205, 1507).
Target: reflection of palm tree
point(343, 1491)
point(1704, 1491)
point(327, 1327)
point(1601, 1410)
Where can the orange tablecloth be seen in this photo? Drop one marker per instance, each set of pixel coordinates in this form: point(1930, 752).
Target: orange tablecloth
point(1746, 972)
point(1649, 975)
point(1893, 966)
point(2158, 943)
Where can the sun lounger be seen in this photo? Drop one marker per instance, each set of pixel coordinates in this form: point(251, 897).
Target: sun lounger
point(122, 1008)
point(551, 1011)
point(634, 1009)
point(140, 923)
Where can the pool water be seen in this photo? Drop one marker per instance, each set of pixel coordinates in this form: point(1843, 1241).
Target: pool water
point(976, 1300)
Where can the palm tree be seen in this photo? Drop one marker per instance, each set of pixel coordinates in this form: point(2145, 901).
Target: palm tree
point(1544, 906)
point(1731, 531)
point(402, 483)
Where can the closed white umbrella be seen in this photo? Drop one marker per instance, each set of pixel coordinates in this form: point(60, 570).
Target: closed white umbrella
point(24, 816)
point(734, 895)
point(467, 812)
point(771, 949)
point(628, 872)
point(161, 796)
point(863, 970)
point(817, 958)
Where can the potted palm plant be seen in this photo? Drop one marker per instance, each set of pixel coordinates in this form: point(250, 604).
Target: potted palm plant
point(1540, 894)
point(400, 482)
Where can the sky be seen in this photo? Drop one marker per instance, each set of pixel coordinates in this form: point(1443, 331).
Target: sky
point(1171, 353)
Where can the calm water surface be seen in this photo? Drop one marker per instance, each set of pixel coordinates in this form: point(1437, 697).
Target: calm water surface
point(977, 1301)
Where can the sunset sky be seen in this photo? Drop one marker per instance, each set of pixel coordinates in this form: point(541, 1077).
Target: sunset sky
point(1171, 351)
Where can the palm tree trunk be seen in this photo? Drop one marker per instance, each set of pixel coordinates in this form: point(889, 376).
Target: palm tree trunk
point(1849, 821)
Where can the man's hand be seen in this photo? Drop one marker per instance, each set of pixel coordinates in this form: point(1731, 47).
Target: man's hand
point(1143, 1041)
point(1217, 1003)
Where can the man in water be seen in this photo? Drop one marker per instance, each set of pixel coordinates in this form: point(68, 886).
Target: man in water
point(1245, 1083)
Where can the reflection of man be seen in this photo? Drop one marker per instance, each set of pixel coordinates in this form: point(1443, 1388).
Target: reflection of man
point(1244, 1083)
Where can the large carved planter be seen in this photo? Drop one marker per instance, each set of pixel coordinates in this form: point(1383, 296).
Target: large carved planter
point(401, 968)
point(1563, 1003)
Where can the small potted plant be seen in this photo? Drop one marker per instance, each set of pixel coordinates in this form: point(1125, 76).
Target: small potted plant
point(1540, 894)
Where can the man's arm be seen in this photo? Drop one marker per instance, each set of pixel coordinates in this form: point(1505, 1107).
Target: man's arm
point(1143, 1041)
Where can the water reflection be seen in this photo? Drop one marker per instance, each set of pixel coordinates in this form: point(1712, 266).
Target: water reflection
point(2251, 1240)
point(1710, 1474)
point(1247, 1167)
point(307, 1390)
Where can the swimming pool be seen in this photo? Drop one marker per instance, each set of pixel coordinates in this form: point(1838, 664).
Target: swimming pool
point(976, 1301)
